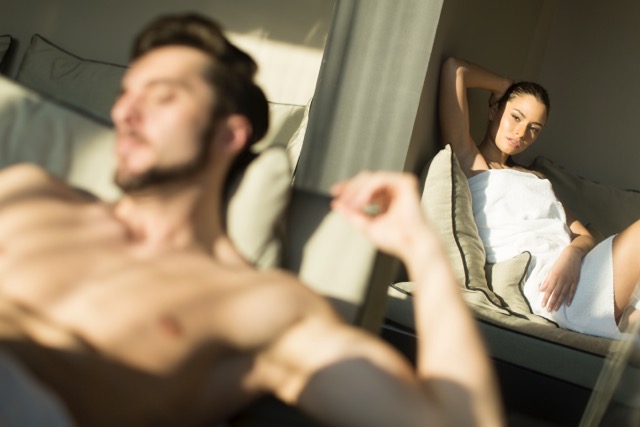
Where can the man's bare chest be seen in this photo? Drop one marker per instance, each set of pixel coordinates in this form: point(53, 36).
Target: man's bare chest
point(47, 246)
point(78, 267)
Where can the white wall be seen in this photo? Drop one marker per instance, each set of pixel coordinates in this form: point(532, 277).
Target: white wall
point(285, 36)
point(592, 70)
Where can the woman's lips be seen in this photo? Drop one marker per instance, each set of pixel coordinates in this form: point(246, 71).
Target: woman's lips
point(513, 143)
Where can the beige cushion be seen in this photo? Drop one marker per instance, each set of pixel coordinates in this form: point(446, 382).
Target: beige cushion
point(69, 145)
point(604, 209)
point(257, 207)
point(506, 278)
point(285, 120)
point(446, 200)
point(88, 85)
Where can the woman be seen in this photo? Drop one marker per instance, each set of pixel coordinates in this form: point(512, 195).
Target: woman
point(571, 281)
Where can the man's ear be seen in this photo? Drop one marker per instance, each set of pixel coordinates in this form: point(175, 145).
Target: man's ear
point(238, 131)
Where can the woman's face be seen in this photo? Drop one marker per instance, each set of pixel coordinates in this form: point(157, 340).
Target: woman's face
point(516, 126)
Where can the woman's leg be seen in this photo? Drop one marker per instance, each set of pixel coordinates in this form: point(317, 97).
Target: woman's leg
point(626, 267)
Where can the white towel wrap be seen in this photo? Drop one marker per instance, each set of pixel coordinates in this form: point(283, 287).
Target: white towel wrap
point(516, 211)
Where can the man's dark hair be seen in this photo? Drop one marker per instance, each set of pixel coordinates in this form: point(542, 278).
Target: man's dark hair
point(231, 72)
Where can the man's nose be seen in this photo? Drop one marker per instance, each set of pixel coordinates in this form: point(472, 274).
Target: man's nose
point(125, 110)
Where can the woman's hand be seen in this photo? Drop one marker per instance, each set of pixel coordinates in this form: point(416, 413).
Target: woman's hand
point(499, 91)
point(562, 281)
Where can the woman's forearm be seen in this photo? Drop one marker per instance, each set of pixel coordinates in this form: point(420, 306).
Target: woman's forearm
point(582, 240)
point(475, 76)
point(583, 244)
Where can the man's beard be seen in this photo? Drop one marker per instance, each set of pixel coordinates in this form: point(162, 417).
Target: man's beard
point(170, 176)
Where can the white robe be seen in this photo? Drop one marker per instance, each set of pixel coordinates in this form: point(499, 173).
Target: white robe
point(516, 211)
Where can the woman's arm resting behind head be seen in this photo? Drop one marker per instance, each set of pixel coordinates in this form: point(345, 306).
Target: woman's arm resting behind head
point(456, 77)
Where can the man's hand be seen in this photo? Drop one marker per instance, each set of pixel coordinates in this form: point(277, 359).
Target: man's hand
point(385, 207)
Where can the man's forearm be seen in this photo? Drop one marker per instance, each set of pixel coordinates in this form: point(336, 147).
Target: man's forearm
point(452, 360)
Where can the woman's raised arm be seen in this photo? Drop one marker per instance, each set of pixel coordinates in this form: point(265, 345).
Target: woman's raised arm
point(456, 77)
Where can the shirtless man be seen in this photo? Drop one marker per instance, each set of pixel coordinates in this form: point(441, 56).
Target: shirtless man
point(141, 313)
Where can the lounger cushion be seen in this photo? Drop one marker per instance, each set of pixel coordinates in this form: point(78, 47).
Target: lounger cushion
point(506, 279)
point(71, 146)
point(603, 209)
point(84, 84)
point(446, 200)
point(257, 207)
point(91, 87)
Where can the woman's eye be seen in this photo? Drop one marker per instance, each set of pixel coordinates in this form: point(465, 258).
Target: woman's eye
point(516, 118)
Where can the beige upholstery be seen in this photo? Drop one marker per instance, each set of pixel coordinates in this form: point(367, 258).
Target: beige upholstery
point(257, 207)
point(604, 209)
point(506, 279)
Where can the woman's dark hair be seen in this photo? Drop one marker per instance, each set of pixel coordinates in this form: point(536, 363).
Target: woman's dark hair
point(526, 88)
point(231, 72)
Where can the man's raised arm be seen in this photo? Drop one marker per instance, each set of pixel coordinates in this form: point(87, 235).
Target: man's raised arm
point(453, 366)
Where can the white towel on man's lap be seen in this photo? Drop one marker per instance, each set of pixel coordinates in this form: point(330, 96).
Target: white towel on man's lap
point(516, 211)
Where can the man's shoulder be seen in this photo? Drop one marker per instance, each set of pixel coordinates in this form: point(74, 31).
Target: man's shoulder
point(25, 180)
point(22, 172)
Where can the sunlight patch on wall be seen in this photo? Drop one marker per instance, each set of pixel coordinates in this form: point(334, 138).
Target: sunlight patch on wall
point(288, 72)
